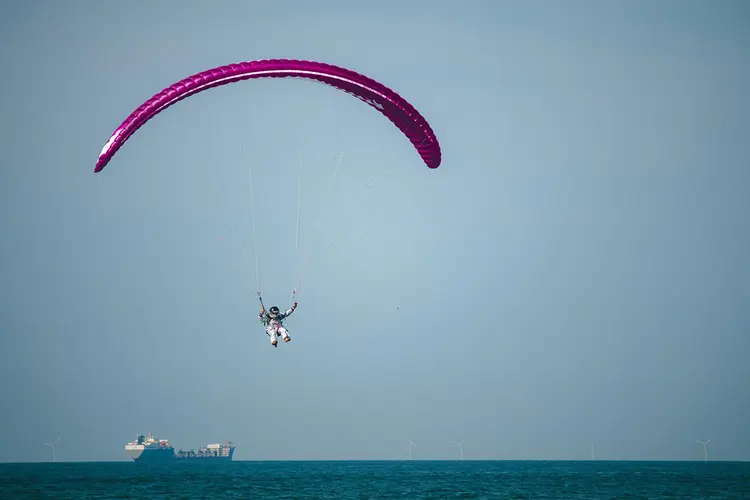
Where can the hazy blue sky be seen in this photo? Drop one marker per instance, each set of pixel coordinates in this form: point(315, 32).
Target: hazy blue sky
point(575, 272)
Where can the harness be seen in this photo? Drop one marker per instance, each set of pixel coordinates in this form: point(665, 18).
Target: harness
point(276, 322)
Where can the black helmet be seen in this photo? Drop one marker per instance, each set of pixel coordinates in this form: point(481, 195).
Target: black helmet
point(273, 311)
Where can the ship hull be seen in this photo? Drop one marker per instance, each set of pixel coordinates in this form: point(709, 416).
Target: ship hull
point(153, 456)
point(169, 456)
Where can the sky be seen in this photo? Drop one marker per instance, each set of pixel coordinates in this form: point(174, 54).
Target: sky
point(574, 273)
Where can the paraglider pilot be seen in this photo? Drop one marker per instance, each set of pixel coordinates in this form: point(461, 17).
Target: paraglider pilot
point(273, 321)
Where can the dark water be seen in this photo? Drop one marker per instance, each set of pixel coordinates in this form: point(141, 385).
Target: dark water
point(386, 480)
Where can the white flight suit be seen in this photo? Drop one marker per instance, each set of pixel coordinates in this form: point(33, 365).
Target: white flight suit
point(275, 326)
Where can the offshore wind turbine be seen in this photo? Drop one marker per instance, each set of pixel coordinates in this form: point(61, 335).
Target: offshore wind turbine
point(54, 448)
point(593, 452)
point(411, 443)
point(461, 447)
point(705, 449)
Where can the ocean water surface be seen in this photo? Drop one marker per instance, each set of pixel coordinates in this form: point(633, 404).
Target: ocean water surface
point(381, 480)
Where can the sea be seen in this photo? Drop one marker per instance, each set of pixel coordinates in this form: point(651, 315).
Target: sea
point(583, 480)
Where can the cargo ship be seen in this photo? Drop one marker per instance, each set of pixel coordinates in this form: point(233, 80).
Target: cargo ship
point(151, 450)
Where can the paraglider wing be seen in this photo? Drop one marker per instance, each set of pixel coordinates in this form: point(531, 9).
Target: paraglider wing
point(380, 97)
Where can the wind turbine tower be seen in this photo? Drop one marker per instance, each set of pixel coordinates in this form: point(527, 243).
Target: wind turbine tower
point(461, 447)
point(593, 452)
point(411, 443)
point(54, 448)
point(705, 449)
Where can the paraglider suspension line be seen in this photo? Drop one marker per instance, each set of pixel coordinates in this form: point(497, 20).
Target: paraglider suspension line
point(315, 230)
point(255, 244)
